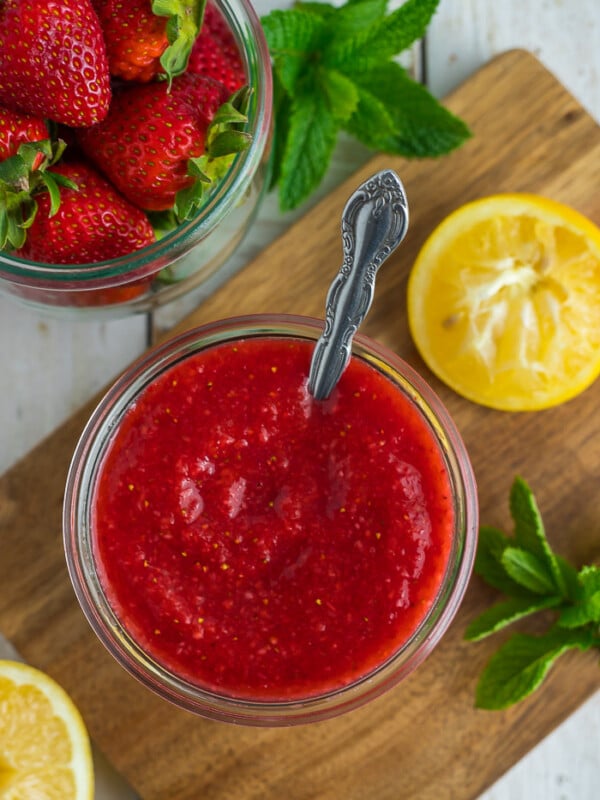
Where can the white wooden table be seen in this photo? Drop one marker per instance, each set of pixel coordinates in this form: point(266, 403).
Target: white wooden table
point(48, 368)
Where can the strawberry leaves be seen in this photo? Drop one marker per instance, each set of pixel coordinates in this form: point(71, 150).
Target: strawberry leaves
point(525, 568)
point(22, 176)
point(334, 71)
point(184, 20)
point(225, 138)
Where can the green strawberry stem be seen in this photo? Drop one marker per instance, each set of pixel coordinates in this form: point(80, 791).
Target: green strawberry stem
point(183, 26)
point(225, 138)
point(22, 176)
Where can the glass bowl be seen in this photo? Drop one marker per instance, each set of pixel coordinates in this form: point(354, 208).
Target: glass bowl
point(186, 257)
point(120, 638)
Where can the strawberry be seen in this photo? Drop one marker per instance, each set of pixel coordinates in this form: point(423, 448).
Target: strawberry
point(218, 59)
point(16, 128)
point(154, 143)
point(146, 38)
point(216, 53)
point(93, 222)
point(214, 24)
point(53, 60)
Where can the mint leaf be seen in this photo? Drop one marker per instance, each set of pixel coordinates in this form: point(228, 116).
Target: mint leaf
point(527, 562)
point(309, 145)
point(522, 663)
point(529, 530)
point(355, 17)
point(571, 579)
point(331, 54)
point(505, 613)
point(323, 10)
point(383, 39)
point(371, 119)
point(584, 612)
point(421, 126)
point(292, 36)
point(282, 110)
point(350, 18)
point(526, 569)
point(340, 93)
point(586, 605)
point(589, 577)
point(550, 582)
point(488, 562)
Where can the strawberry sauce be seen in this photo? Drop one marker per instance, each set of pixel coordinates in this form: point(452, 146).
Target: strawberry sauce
point(262, 544)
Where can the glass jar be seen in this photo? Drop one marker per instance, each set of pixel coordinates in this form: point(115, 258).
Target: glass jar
point(120, 638)
point(186, 257)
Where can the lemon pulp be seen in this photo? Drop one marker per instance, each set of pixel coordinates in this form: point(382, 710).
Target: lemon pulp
point(504, 302)
point(44, 747)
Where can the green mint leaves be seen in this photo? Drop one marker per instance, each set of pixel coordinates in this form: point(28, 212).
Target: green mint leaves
point(525, 568)
point(334, 70)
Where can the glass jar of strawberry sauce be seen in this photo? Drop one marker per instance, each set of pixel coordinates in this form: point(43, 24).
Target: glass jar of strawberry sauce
point(254, 555)
point(185, 258)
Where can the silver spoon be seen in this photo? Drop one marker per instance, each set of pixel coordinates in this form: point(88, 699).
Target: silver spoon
point(374, 222)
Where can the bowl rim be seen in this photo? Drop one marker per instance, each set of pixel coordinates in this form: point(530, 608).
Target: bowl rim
point(245, 25)
point(122, 645)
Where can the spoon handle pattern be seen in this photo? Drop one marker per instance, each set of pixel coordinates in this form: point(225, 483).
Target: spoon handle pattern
point(374, 222)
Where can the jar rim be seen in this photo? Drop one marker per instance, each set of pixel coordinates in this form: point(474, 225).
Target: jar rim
point(103, 619)
point(245, 25)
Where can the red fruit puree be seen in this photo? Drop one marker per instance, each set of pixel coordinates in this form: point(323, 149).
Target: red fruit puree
point(260, 543)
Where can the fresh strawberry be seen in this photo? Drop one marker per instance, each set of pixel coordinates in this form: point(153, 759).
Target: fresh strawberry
point(215, 24)
point(93, 222)
point(16, 128)
point(218, 59)
point(217, 44)
point(151, 144)
point(53, 60)
point(145, 38)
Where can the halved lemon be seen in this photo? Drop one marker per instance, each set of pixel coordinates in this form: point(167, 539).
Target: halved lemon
point(44, 746)
point(504, 302)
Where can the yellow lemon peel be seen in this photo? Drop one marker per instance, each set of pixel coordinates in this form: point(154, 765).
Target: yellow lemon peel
point(504, 302)
point(44, 746)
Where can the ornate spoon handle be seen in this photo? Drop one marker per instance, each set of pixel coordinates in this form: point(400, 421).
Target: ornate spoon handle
point(374, 222)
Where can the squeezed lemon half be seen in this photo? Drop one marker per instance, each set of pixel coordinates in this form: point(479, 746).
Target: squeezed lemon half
point(44, 747)
point(504, 302)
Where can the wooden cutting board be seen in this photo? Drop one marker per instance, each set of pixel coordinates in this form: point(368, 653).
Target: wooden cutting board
point(424, 739)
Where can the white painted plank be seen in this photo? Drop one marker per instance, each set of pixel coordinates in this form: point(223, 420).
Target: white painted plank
point(51, 367)
point(563, 34)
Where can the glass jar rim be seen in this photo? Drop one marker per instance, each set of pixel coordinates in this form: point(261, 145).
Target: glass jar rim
point(121, 643)
point(246, 27)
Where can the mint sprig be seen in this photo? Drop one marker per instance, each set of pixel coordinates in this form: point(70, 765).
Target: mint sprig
point(334, 70)
point(526, 569)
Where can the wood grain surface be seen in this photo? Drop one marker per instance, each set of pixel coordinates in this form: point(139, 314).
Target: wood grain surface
point(423, 739)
